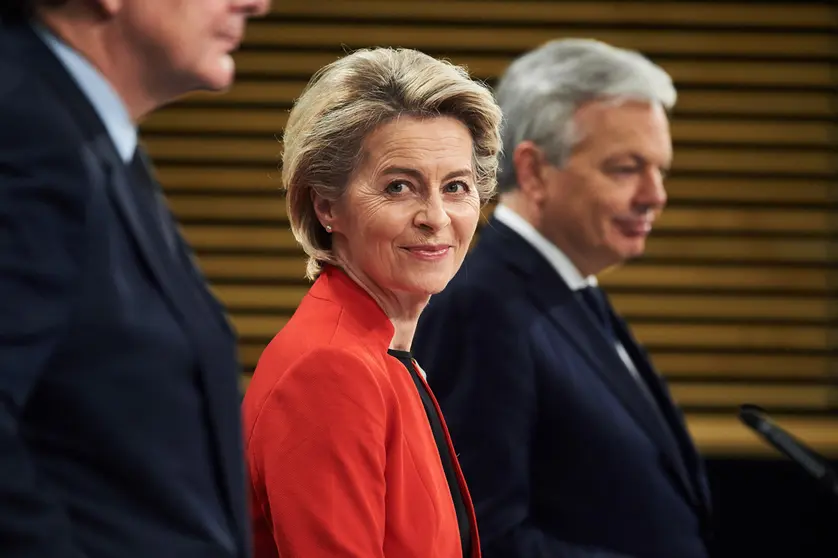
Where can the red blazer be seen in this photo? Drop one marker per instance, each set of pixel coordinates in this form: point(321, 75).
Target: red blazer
point(341, 456)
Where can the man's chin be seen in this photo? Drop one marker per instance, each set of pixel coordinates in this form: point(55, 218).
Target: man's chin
point(220, 77)
point(632, 253)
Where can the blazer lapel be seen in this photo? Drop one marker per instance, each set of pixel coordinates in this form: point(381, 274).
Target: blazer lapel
point(206, 326)
point(658, 386)
point(577, 323)
point(218, 369)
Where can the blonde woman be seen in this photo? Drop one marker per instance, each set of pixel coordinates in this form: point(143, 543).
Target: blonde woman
point(389, 155)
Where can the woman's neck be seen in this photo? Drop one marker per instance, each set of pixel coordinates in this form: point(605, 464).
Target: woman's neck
point(403, 309)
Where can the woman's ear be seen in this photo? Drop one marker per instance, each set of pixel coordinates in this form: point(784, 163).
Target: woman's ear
point(324, 210)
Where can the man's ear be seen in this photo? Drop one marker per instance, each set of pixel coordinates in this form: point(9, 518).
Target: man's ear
point(529, 170)
point(109, 8)
point(325, 211)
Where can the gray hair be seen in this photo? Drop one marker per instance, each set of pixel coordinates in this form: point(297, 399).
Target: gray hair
point(348, 99)
point(541, 91)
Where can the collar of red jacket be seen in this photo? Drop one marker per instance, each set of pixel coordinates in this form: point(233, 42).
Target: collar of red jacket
point(364, 317)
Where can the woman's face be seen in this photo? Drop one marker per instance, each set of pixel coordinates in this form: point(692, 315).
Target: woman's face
point(411, 208)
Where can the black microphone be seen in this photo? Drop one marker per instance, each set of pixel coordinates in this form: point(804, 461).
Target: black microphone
point(756, 419)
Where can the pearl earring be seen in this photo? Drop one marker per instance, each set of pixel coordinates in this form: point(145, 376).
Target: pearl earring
point(328, 228)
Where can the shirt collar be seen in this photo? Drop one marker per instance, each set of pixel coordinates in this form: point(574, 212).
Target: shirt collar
point(554, 256)
point(107, 103)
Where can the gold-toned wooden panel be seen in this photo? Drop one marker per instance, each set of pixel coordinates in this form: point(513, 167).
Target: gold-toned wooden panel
point(260, 297)
point(753, 73)
point(694, 394)
point(735, 14)
point(268, 121)
point(787, 103)
point(725, 219)
point(273, 121)
point(268, 151)
point(744, 366)
point(777, 190)
point(794, 74)
point(264, 151)
point(726, 436)
point(695, 276)
point(249, 353)
point(762, 131)
point(209, 178)
point(258, 92)
point(741, 249)
point(265, 268)
point(681, 41)
point(727, 307)
point(260, 238)
point(781, 161)
point(755, 336)
point(238, 208)
point(259, 325)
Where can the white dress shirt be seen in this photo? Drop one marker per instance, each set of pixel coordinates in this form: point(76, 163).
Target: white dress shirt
point(105, 100)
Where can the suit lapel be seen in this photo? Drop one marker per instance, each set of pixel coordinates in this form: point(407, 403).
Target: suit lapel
point(577, 323)
point(205, 326)
point(657, 384)
point(152, 246)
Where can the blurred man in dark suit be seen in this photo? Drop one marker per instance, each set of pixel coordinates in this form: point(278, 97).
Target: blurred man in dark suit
point(119, 406)
point(569, 440)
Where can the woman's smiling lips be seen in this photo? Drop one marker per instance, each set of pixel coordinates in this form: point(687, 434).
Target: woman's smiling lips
point(428, 252)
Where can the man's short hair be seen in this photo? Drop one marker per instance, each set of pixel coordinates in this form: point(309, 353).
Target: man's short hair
point(540, 92)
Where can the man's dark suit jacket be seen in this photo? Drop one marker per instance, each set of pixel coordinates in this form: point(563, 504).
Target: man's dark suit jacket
point(120, 432)
point(563, 453)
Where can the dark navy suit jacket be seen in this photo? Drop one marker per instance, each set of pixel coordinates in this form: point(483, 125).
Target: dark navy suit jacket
point(563, 453)
point(120, 431)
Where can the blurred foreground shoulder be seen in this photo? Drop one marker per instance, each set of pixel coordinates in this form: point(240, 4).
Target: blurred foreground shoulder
point(39, 142)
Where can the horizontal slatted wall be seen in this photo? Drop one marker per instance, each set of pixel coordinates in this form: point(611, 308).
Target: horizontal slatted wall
point(735, 298)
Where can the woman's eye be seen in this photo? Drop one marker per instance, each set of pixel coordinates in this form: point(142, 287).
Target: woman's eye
point(456, 187)
point(396, 187)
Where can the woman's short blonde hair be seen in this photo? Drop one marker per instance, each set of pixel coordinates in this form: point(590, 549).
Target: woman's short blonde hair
point(348, 99)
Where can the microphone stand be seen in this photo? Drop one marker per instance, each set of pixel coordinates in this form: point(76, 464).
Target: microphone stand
point(809, 460)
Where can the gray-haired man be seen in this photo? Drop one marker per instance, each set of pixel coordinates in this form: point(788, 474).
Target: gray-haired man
point(570, 442)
